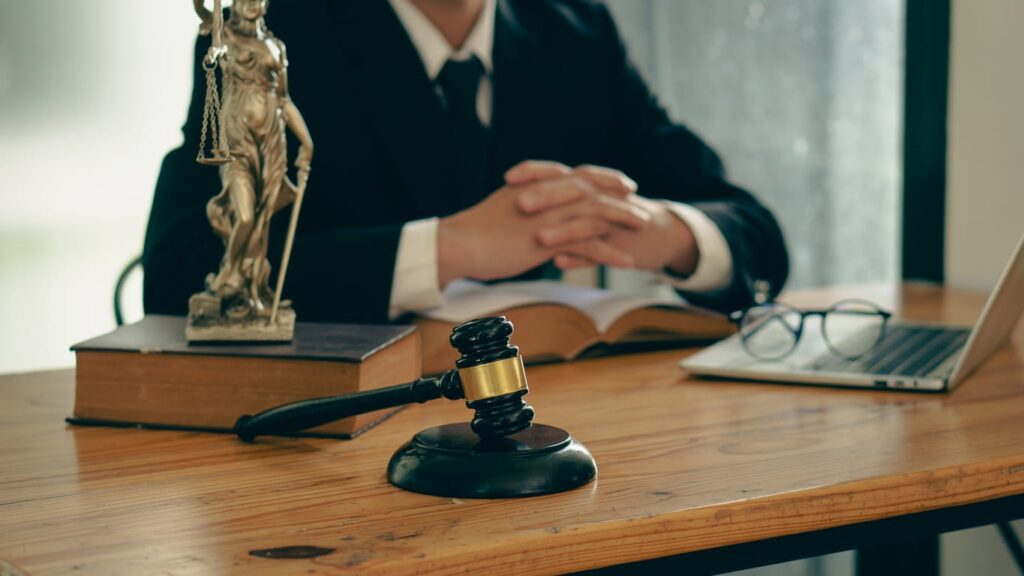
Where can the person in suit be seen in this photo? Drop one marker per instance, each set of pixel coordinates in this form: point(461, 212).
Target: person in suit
point(484, 139)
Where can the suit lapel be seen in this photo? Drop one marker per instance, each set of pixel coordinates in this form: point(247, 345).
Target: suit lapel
point(402, 99)
point(524, 124)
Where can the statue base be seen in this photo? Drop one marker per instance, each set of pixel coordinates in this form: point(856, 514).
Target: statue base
point(454, 462)
point(209, 322)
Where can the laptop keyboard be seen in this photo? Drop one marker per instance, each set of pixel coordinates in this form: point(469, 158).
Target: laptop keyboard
point(903, 351)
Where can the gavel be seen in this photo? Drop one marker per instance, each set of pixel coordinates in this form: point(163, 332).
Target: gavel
point(502, 453)
point(489, 375)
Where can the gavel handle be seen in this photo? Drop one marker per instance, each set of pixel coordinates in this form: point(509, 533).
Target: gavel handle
point(310, 413)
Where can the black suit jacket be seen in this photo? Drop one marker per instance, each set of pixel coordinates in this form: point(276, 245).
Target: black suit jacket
point(563, 89)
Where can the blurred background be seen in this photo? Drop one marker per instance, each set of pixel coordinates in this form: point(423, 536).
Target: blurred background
point(92, 95)
point(803, 98)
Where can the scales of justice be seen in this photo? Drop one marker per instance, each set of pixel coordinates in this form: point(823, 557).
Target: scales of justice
point(246, 129)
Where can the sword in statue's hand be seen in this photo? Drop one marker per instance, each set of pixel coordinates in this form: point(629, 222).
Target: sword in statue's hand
point(300, 191)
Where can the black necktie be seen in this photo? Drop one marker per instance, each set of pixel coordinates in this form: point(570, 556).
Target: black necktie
point(459, 80)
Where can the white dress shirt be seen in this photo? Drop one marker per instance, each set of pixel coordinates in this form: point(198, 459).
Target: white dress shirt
point(415, 286)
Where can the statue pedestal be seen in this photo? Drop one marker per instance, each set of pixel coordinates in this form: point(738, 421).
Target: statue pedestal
point(207, 322)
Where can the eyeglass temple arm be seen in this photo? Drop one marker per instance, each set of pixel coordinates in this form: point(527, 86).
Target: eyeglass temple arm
point(737, 317)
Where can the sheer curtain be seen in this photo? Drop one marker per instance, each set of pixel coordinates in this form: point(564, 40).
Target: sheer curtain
point(803, 99)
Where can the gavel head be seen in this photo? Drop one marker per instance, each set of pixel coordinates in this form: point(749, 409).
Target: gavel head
point(492, 377)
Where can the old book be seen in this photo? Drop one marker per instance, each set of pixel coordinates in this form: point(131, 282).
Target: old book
point(147, 374)
point(555, 321)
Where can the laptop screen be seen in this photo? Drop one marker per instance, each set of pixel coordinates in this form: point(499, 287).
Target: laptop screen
point(998, 319)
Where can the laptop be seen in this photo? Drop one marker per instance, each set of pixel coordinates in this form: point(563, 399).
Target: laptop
point(907, 355)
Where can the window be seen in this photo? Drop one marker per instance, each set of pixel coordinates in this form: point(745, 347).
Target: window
point(803, 100)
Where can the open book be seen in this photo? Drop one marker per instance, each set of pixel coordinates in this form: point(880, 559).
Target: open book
point(556, 321)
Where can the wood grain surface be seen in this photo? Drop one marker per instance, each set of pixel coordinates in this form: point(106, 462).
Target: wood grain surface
point(683, 465)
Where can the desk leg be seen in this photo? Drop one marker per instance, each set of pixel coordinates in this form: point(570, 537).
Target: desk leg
point(906, 558)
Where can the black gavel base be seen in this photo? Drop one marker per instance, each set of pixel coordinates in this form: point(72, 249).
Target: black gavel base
point(454, 462)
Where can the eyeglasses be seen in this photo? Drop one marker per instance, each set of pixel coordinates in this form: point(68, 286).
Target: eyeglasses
point(770, 331)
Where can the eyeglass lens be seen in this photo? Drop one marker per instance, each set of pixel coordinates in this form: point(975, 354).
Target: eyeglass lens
point(770, 331)
point(852, 327)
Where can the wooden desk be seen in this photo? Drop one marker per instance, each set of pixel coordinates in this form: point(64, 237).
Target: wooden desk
point(685, 465)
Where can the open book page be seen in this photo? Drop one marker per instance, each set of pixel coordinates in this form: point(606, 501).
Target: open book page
point(465, 300)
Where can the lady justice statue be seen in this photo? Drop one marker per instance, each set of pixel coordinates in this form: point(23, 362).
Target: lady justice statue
point(247, 132)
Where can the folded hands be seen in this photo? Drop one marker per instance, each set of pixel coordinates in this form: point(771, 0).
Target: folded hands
point(576, 217)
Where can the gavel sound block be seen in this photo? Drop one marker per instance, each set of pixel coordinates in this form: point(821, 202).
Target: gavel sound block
point(500, 454)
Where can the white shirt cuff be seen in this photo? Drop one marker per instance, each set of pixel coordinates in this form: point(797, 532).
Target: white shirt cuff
point(714, 267)
point(415, 286)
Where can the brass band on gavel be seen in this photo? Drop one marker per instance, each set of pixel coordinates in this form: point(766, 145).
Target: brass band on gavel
point(493, 379)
